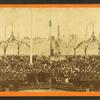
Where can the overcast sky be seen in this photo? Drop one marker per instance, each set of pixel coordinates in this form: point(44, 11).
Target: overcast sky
point(71, 21)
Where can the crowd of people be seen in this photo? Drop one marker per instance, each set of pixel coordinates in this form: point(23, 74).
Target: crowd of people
point(77, 70)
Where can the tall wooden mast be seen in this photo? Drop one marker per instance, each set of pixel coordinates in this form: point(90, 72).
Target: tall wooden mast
point(50, 25)
point(31, 53)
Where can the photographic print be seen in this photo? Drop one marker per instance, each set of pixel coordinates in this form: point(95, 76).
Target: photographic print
point(49, 50)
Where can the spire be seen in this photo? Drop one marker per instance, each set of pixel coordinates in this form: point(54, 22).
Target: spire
point(93, 38)
point(12, 37)
point(12, 34)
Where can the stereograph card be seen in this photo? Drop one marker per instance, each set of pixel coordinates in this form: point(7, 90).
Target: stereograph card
point(49, 50)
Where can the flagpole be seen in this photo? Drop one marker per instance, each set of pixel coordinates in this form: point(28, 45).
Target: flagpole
point(31, 54)
point(50, 24)
point(5, 40)
point(50, 81)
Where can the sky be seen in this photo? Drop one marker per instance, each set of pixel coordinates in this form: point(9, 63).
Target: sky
point(70, 20)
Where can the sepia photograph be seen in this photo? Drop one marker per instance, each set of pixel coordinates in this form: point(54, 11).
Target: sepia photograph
point(49, 49)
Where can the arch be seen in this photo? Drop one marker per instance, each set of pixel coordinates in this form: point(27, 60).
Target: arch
point(92, 48)
point(24, 48)
point(88, 47)
point(12, 45)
